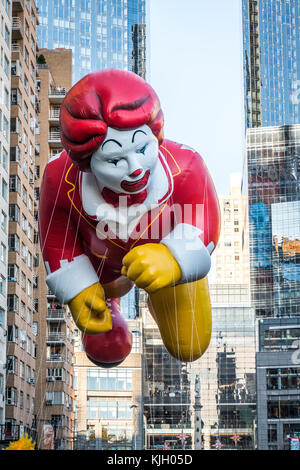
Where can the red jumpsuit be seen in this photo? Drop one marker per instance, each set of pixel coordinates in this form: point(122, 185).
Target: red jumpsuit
point(67, 231)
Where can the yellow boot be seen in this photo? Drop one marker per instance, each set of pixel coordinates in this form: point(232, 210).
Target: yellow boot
point(183, 316)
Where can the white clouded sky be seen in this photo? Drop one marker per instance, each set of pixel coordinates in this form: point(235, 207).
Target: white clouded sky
point(196, 70)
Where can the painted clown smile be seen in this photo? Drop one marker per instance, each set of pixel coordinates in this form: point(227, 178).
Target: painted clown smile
point(135, 186)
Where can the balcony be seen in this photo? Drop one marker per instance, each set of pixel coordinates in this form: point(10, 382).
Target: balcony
point(12, 432)
point(56, 95)
point(54, 116)
point(56, 338)
point(54, 139)
point(56, 358)
point(55, 315)
point(17, 6)
point(16, 48)
point(17, 28)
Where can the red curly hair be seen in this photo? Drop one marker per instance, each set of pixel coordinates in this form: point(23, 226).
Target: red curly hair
point(114, 98)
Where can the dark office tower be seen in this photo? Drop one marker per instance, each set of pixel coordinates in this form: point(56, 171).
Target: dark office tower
point(274, 229)
point(101, 33)
point(271, 33)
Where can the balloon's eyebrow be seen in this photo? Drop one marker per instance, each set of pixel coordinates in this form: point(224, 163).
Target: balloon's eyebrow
point(111, 140)
point(139, 130)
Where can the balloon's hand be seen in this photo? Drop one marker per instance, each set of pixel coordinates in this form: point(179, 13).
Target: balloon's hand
point(90, 312)
point(151, 267)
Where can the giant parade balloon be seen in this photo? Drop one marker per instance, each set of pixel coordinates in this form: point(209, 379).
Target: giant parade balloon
point(123, 206)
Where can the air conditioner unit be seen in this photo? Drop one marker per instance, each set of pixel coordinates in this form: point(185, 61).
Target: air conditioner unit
point(50, 379)
point(32, 381)
point(20, 138)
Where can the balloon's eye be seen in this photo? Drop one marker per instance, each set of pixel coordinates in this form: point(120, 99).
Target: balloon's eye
point(114, 162)
point(142, 150)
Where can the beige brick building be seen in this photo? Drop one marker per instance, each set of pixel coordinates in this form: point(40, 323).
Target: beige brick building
point(232, 252)
point(21, 338)
point(55, 328)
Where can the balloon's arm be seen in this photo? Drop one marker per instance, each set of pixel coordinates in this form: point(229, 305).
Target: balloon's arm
point(69, 269)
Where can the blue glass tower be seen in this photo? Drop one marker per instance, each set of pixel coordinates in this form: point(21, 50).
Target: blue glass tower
point(101, 33)
point(271, 33)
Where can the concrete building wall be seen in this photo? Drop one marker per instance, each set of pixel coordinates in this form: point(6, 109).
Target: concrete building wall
point(232, 252)
point(21, 351)
point(5, 48)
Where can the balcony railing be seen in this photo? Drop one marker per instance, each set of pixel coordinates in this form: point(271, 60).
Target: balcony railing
point(16, 48)
point(56, 358)
point(13, 432)
point(56, 95)
point(17, 28)
point(58, 314)
point(54, 136)
point(54, 114)
point(55, 337)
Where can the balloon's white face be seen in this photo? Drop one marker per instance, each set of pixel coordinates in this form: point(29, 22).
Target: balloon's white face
point(125, 159)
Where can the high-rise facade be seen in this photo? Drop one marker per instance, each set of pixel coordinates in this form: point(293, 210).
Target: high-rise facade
point(274, 226)
point(54, 325)
point(102, 33)
point(5, 47)
point(271, 33)
point(21, 334)
point(271, 76)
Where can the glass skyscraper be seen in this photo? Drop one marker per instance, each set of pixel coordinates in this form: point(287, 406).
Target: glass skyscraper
point(101, 33)
point(272, 97)
point(271, 42)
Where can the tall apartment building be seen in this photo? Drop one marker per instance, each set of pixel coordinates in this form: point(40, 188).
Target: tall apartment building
point(111, 33)
point(21, 336)
point(5, 48)
point(54, 324)
point(272, 106)
point(232, 252)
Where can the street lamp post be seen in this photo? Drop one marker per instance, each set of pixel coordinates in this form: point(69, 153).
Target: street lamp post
point(134, 407)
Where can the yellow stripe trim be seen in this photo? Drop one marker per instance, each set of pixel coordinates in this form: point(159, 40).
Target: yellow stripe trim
point(178, 167)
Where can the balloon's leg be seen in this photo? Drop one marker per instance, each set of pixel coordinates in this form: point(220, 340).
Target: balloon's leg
point(183, 316)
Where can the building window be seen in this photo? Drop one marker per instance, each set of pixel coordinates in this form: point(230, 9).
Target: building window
point(109, 409)
point(15, 125)
point(3, 221)
point(118, 379)
point(2, 318)
point(283, 378)
point(12, 334)
point(12, 365)
point(22, 369)
point(3, 253)
point(4, 159)
point(15, 98)
point(14, 184)
point(13, 242)
point(2, 285)
point(4, 191)
point(14, 213)
point(13, 273)
point(11, 396)
point(12, 303)
point(15, 154)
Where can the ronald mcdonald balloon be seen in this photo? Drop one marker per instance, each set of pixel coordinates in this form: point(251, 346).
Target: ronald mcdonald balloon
point(122, 206)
